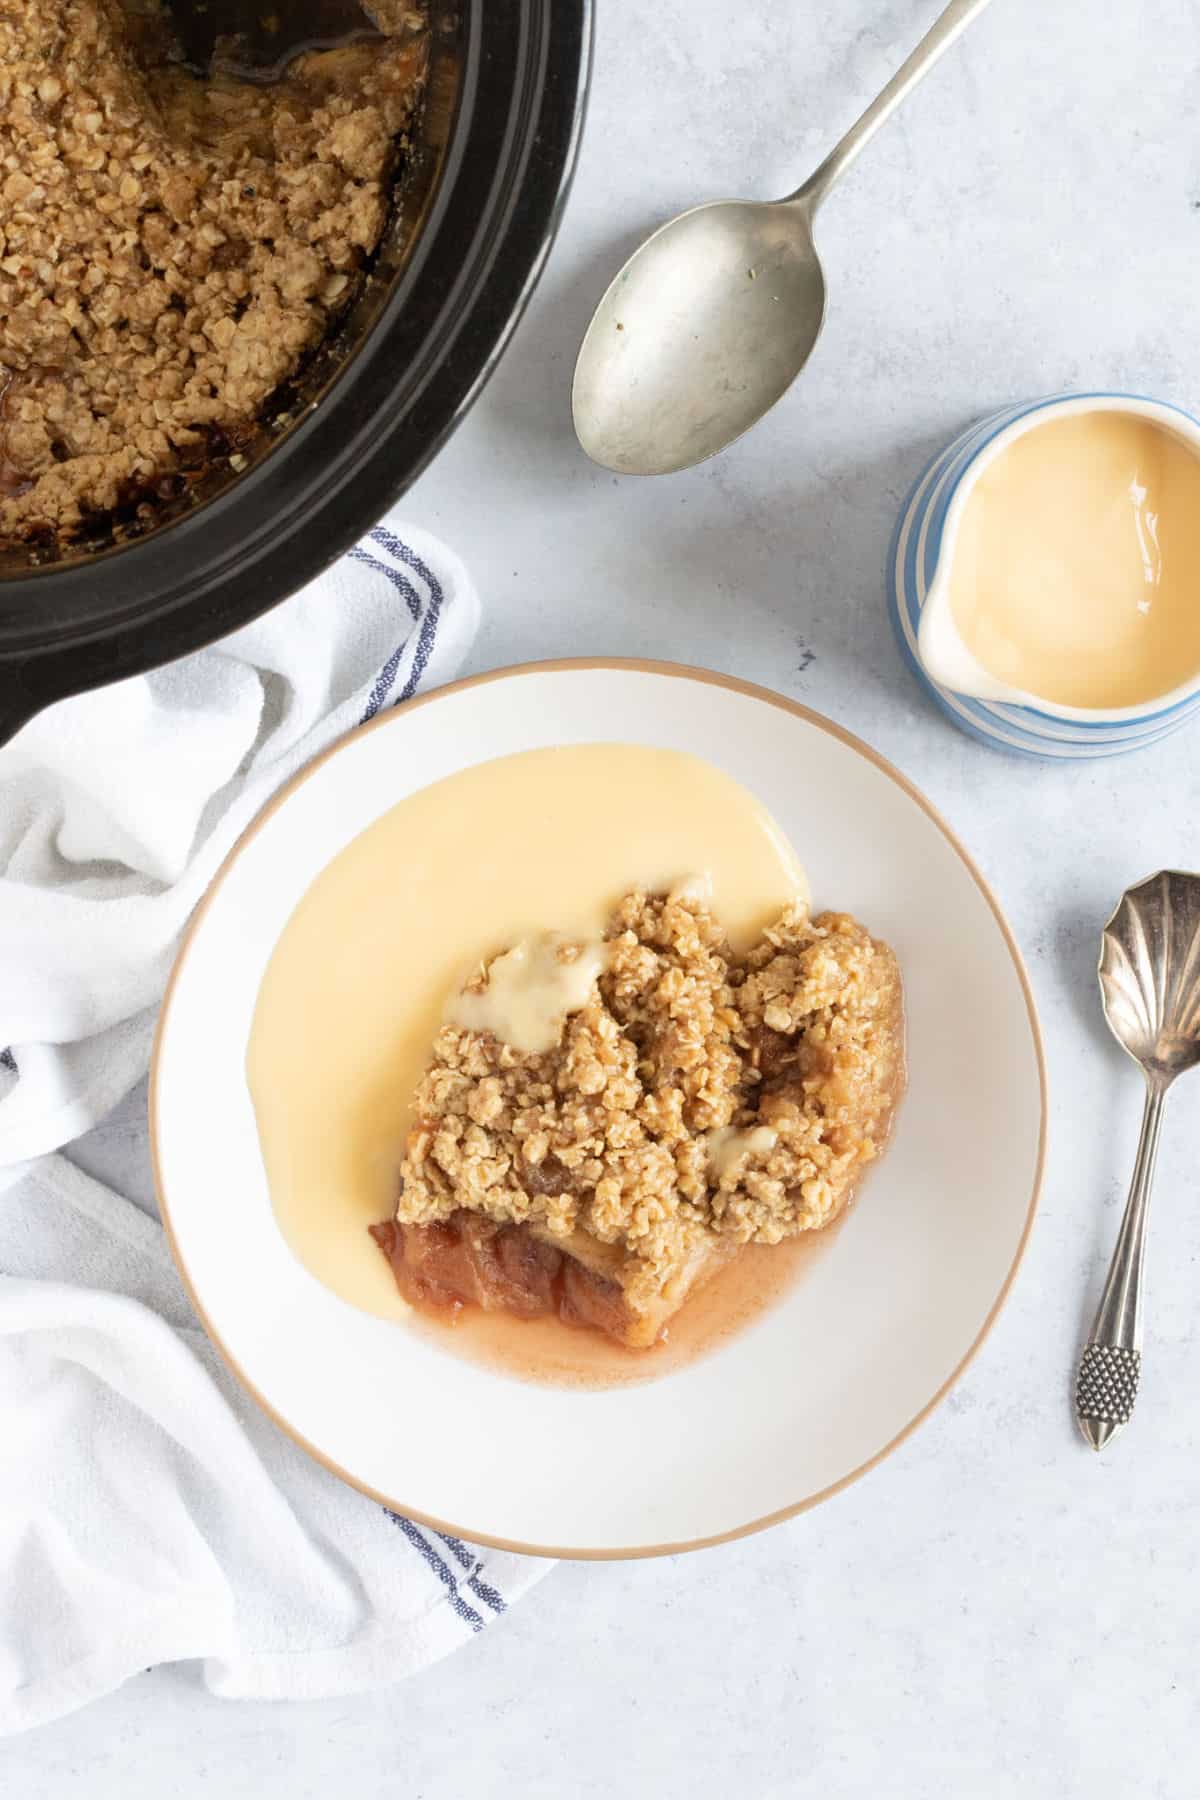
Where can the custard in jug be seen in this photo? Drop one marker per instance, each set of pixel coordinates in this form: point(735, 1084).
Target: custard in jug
point(1075, 570)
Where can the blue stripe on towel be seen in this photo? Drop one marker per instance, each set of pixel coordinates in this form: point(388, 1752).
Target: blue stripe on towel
point(458, 1551)
point(400, 582)
point(464, 1557)
point(402, 553)
point(440, 1568)
point(486, 1592)
point(412, 600)
point(387, 675)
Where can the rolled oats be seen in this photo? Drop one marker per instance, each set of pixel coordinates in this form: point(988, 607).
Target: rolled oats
point(798, 1044)
point(171, 247)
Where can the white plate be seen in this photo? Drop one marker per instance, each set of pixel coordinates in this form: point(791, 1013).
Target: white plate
point(815, 1391)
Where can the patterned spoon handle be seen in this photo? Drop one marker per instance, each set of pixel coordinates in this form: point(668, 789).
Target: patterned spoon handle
point(1106, 1382)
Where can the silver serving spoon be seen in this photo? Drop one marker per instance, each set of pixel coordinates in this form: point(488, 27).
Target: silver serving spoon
point(712, 319)
point(1150, 982)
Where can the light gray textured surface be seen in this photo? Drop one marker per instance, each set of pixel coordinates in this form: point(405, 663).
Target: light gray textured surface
point(994, 1611)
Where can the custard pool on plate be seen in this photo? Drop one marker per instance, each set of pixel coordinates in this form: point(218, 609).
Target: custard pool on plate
point(577, 1079)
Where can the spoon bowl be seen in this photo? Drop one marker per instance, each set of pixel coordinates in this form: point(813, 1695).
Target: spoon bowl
point(703, 330)
point(1150, 974)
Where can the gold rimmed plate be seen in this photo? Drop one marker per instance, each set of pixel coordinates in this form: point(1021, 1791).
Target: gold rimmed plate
point(818, 1388)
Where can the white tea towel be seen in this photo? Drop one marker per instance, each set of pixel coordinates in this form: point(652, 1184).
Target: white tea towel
point(116, 808)
point(149, 1511)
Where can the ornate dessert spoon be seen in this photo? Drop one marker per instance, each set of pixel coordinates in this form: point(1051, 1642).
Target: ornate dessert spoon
point(1150, 983)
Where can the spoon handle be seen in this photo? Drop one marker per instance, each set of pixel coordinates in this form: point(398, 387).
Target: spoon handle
point(1106, 1382)
point(937, 40)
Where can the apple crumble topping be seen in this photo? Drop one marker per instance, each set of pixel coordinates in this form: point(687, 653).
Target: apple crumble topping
point(169, 247)
point(698, 1100)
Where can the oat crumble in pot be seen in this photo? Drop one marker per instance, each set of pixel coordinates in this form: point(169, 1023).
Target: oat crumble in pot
point(170, 248)
point(697, 1102)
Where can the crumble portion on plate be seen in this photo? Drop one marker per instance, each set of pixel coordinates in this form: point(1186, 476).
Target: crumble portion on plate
point(698, 1101)
point(169, 247)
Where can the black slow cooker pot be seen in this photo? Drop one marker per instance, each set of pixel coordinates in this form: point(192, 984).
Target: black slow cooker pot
point(475, 212)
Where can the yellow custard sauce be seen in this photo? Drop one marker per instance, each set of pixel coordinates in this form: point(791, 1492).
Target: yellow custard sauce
point(359, 981)
point(1075, 571)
